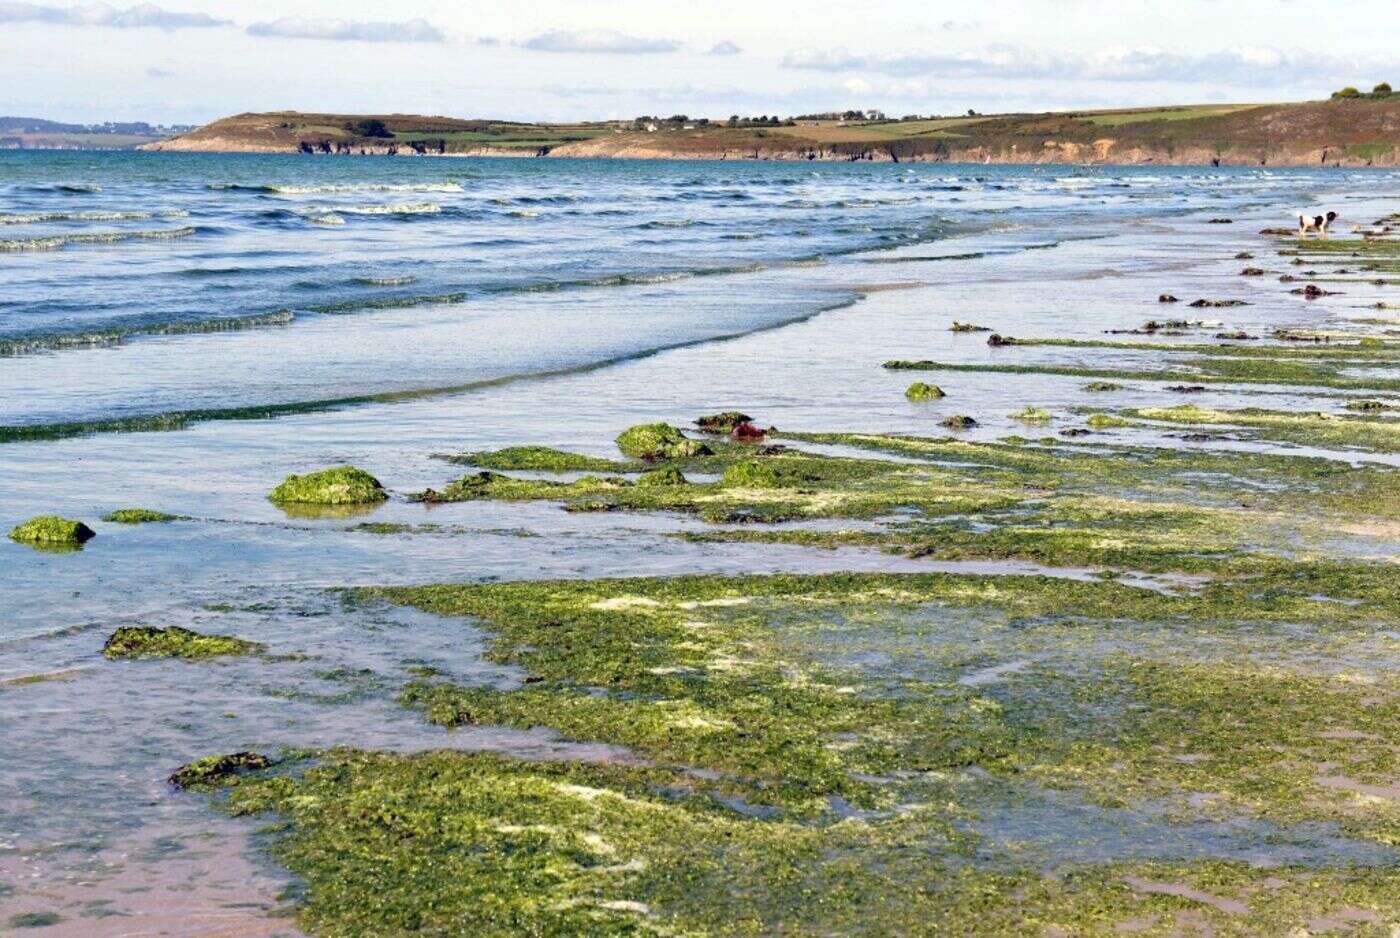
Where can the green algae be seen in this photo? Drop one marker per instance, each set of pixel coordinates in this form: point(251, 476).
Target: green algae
point(1032, 415)
point(1203, 369)
point(342, 485)
point(34, 919)
point(1309, 429)
point(659, 441)
point(919, 391)
point(141, 516)
point(214, 771)
point(174, 642)
point(664, 476)
point(1105, 421)
point(51, 529)
point(755, 474)
point(761, 689)
point(539, 459)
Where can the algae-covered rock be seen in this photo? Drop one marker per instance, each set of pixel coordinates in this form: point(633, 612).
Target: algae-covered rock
point(51, 529)
point(140, 641)
point(343, 485)
point(959, 422)
point(140, 516)
point(723, 422)
point(1030, 414)
point(218, 770)
point(920, 391)
point(1104, 421)
point(659, 441)
point(1100, 386)
point(752, 474)
point(666, 475)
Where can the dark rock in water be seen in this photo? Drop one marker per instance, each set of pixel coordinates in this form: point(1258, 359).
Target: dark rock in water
point(1252, 272)
point(772, 449)
point(1217, 304)
point(1221, 221)
point(959, 422)
point(1187, 388)
point(1287, 278)
point(747, 433)
point(1075, 431)
point(1239, 335)
point(1167, 298)
point(723, 422)
point(1103, 386)
point(1278, 231)
point(1197, 437)
point(1312, 291)
point(1287, 335)
point(1244, 256)
point(216, 770)
point(997, 341)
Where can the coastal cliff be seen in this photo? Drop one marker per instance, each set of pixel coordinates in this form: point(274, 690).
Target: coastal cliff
point(1352, 133)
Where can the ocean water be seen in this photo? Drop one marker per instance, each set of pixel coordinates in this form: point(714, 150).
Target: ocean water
point(180, 332)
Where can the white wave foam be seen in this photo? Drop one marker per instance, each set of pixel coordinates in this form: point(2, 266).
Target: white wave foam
point(58, 242)
point(367, 187)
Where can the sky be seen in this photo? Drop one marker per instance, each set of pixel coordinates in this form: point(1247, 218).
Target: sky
point(190, 61)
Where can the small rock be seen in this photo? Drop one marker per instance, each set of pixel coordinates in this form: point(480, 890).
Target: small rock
point(723, 422)
point(959, 422)
point(1167, 298)
point(1252, 272)
point(51, 529)
point(214, 770)
point(997, 341)
point(1187, 388)
point(919, 391)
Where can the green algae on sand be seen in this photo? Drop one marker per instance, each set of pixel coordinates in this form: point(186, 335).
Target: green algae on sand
point(342, 485)
point(211, 771)
point(52, 530)
point(135, 641)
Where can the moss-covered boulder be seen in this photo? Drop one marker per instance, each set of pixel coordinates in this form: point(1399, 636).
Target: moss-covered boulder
point(218, 770)
point(752, 474)
point(53, 530)
point(142, 641)
point(1103, 386)
point(140, 516)
point(920, 391)
point(659, 441)
point(343, 485)
point(723, 422)
point(666, 475)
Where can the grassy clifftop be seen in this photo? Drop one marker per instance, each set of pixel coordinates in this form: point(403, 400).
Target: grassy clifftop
point(1344, 132)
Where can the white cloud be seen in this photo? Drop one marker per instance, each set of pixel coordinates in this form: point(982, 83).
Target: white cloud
point(157, 72)
point(602, 41)
point(102, 14)
point(725, 47)
point(1245, 66)
point(337, 30)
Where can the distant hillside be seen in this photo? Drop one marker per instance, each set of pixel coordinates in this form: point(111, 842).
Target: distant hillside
point(40, 134)
point(1354, 132)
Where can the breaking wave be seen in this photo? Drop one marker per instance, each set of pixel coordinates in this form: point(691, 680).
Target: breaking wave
point(59, 242)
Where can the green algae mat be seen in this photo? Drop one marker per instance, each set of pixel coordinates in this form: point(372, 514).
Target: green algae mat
point(1152, 690)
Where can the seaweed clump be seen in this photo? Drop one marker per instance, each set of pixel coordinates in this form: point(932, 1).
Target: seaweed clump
point(752, 474)
point(538, 459)
point(920, 391)
point(343, 485)
point(218, 770)
point(659, 441)
point(665, 475)
point(141, 641)
point(51, 529)
point(140, 516)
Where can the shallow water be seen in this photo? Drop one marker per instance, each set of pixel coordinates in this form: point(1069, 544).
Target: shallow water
point(588, 301)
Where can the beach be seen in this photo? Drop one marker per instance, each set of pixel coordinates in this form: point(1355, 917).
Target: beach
point(1116, 655)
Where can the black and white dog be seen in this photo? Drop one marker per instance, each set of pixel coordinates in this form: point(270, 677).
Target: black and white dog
point(1318, 223)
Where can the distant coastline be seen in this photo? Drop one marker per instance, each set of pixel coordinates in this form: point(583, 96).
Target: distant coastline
point(1344, 133)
